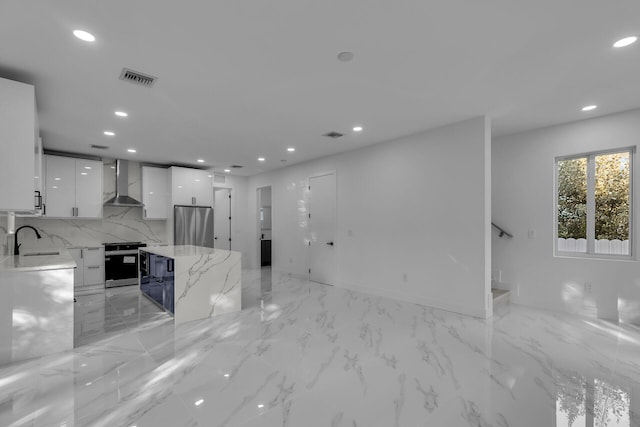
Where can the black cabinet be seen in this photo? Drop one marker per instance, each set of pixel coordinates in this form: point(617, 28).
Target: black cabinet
point(265, 253)
point(157, 280)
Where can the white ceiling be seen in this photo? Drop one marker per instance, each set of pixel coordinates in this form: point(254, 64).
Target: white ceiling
point(242, 79)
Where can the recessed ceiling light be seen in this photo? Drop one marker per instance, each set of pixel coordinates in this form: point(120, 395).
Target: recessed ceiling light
point(87, 167)
point(227, 170)
point(84, 36)
point(261, 406)
point(345, 56)
point(109, 133)
point(226, 375)
point(83, 173)
point(210, 176)
point(291, 149)
point(200, 160)
point(625, 41)
point(121, 114)
point(57, 179)
point(131, 150)
point(357, 128)
point(589, 108)
point(261, 159)
point(199, 402)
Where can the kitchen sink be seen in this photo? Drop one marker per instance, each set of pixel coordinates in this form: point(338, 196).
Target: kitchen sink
point(42, 253)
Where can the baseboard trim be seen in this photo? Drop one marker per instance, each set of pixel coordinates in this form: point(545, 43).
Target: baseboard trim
point(429, 302)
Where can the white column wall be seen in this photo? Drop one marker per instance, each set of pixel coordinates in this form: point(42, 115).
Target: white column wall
point(413, 217)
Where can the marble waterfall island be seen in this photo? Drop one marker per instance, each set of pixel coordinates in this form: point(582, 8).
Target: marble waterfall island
point(36, 304)
point(191, 282)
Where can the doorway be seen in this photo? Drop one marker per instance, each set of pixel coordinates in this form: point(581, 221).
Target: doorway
point(222, 218)
point(322, 228)
point(264, 225)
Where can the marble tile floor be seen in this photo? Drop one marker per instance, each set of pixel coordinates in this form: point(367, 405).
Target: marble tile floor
point(302, 354)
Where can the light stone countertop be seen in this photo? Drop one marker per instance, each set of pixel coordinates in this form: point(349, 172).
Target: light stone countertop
point(185, 251)
point(14, 263)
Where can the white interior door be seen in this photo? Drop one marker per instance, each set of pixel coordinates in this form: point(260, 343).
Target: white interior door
point(322, 228)
point(222, 219)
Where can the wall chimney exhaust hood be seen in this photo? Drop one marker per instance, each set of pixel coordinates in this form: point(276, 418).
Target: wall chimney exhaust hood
point(122, 187)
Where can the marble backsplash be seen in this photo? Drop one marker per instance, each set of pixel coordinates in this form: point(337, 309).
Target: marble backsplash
point(118, 224)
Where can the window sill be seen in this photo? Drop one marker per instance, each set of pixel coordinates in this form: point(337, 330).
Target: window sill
point(598, 257)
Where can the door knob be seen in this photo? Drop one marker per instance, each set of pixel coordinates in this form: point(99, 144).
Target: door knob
point(330, 243)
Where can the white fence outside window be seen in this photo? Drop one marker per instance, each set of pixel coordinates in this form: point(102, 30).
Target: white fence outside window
point(603, 246)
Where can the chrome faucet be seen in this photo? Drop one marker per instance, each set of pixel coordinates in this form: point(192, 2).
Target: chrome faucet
point(16, 246)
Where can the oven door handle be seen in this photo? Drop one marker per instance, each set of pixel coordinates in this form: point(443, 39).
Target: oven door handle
point(130, 252)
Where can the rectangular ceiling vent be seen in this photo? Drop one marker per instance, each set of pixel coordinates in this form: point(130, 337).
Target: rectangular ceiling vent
point(99, 147)
point(219, 179)
point(333, 134)
point(137, 77)
point(236, 166)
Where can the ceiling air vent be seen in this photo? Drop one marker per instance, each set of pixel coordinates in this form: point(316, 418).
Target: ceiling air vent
point(333, 134)
point(236, 166)
point(99, 147)
point(137, 77)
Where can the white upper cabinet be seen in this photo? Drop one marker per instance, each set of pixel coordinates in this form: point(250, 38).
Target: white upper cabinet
point(181, 186)
point(73, 188)
point(18, 137)
point(60, 193)
point(191, 187)
point(155, 194)
point(88, 188)
point(202, 188)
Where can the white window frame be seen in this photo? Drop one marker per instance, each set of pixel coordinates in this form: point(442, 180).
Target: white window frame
point(591, 205)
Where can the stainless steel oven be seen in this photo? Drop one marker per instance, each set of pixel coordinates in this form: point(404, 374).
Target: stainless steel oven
point(121, 263)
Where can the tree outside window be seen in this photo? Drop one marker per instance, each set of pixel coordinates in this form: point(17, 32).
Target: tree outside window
point(594, 203)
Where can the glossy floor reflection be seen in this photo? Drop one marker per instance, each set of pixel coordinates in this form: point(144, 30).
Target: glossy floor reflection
point(303, 354)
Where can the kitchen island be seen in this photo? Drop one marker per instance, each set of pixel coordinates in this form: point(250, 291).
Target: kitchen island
point(191, 282)
point(36, 304)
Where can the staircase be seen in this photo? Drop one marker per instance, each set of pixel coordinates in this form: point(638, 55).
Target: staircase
point(501, 300)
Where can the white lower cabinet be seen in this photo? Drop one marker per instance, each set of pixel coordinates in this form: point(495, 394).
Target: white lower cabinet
point(89, 275)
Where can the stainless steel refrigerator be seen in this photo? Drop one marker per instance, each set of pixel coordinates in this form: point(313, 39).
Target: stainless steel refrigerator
point(193, 225)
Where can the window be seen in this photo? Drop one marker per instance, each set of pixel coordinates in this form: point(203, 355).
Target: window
point(593, 201)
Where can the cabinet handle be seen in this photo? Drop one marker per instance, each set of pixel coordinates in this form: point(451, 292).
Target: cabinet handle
point(93, 267)
point(193, 200)
point(44, 209)
point(73, 211)
point(145, 212)
point(92, 249)
point(38, 200)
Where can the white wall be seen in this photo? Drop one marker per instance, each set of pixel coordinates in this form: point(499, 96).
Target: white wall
point(413, 217)
point(523, 200)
